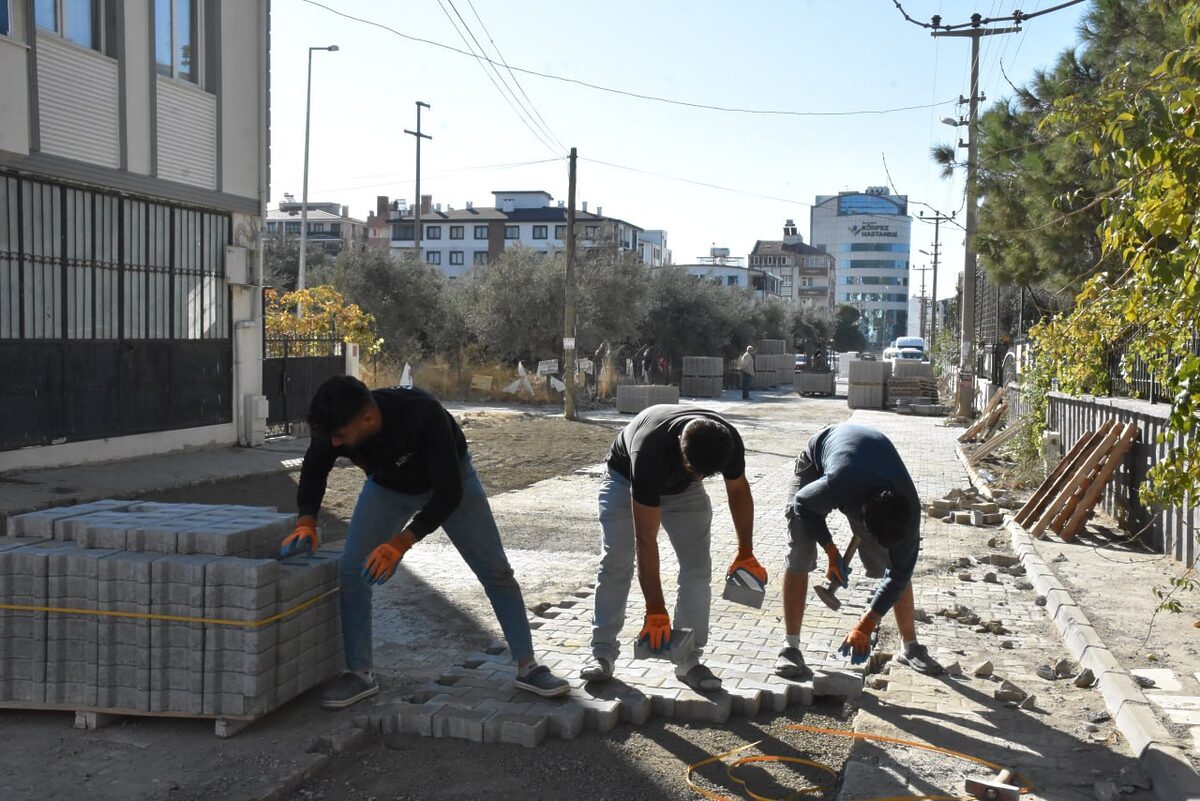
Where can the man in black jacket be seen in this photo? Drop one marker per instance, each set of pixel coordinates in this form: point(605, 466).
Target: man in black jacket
point(419, 477)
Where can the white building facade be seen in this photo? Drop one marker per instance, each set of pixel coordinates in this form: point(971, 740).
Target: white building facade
point(869, 233)
point(459, 240)
point(133, 179)
point(806, 274)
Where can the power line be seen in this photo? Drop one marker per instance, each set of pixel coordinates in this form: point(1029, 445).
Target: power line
point(512, 74)
point(484, 62)
point(1017, 17)
point(394, 178)
point(626, 93)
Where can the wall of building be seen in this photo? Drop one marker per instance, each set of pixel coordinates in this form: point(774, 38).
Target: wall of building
point(14, 89)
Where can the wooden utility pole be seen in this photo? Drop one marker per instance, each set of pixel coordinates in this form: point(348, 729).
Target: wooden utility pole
point(569, 315)
point(417, 206)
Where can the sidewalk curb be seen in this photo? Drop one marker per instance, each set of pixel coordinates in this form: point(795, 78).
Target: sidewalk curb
point(340, 742)
point(1157, 751)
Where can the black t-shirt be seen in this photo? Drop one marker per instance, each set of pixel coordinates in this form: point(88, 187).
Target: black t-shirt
point(417, 450)
point(647, 452)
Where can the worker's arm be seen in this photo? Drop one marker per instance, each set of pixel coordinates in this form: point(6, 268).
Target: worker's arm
point(741, 509)
point(811, 505)
point(314, 474)
point(903, 559)
point(646, 520)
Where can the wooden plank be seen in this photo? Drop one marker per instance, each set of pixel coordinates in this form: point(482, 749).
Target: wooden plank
point(992, 443)
point(996, 416)
point(1085, 505)
point(973, 429)
point(1078, 491)
point(1067, 491)
point(1053, 481)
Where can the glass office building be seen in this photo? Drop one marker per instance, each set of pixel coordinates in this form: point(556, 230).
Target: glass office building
point(869, 234)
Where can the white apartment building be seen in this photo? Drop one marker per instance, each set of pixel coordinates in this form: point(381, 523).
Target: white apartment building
point(869, 233)
point(458, 240)
point(806, 274)
point(330, 226)
point(653, 248)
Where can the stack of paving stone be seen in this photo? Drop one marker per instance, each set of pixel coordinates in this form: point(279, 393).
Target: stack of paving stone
point(807, 382)
point(968, 507)
point(633, 398)
point(868, 384)
point(769, 368)
point(912, 389)
point(702, 376)
point(209, 565)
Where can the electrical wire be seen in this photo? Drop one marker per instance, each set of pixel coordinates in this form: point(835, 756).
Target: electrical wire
point(1016, 17)
point(394, 178)
point(626, 93)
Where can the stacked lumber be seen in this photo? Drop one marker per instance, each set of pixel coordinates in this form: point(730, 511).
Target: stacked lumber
point(1066, 498)
point(991, 416)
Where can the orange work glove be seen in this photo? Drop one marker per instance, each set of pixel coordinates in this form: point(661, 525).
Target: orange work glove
point(303, 537)
point(751, 566)
point(381, 564)
point(657, 630)
point(858, 642)
point(837, 573)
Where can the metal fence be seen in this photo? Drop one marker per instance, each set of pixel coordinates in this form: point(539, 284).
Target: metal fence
point(1130, 377)
point(293, 368)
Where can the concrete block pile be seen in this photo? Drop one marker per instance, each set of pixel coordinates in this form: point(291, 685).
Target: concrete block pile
point(703, 377)
point(772, 367)
point(868, 384)
point(633, 398)
point(806, 383)
point(912, 389)
point(188, 596)
point(968, 507)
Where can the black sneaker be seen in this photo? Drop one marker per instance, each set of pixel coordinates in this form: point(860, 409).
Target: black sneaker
point(597, 668)
point(541, 681)
point(917, 657)
point(347, 689)
point(790, 665)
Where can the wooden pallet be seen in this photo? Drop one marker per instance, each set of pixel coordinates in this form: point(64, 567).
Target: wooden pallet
point(993, 442)
point(1063, 502)
point(89, 718)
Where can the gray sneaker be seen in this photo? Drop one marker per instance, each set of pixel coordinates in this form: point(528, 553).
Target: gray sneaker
point(790, 665)
point(597, 668)
point(917, 657)
point(347, 689)
point(541, 681)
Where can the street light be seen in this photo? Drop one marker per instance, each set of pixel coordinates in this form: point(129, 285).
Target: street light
point(304, 194)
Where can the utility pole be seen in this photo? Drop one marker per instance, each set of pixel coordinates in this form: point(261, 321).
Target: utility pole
point(938, 218)
point(300, 272)
point(966, 363)
point(417, 206)
point(569, 315)
point(923, 299)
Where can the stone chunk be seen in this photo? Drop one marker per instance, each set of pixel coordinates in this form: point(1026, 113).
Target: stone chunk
point(1064, 667)
point(983, 670)
point(1086, 678)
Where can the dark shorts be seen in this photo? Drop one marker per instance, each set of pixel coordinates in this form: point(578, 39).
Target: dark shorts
point(802, 557)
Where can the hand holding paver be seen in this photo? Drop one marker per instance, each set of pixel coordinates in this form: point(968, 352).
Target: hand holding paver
point(303, 537)
point(381, 563)
point(857, 644)
point(837, 573)
point(750, 565)
point(657, 631)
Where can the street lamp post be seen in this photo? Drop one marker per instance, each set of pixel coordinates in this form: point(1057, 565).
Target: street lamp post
point(304, 191)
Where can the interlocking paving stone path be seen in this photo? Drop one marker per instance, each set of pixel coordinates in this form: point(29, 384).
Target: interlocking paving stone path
point(743, 641)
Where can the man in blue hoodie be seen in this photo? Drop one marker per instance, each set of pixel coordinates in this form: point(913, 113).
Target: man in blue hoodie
point(856, 470)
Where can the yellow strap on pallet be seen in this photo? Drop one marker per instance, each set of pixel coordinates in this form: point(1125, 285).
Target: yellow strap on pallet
point(207, 621)
point(712, 796)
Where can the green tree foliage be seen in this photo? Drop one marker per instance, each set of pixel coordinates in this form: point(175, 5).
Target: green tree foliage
point(1143, 132)
point(1037, 182)
point(846, 334)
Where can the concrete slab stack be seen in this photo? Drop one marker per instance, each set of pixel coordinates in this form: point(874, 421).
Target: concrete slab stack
point(633, 398)
point(703, 377)
point(806, 383)
point(868, 384)
point(210, 631)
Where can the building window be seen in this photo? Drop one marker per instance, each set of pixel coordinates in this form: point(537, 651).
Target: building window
point(481, 232)
point(176, 39)
point(401, 231)
point(590, 231)
point(731, 280)
point(5, 25)
point(433, 257)
point(456, 257)
point(480, 257)
point(560, 232)
point(433, 232)
point(512, 232)
point(539, 232)
point(456, 232)
point(85, 22)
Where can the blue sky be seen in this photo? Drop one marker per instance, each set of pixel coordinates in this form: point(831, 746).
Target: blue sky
point(799, 55)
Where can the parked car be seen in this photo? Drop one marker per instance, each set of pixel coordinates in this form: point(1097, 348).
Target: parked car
point(801, 361)
point(903, 354)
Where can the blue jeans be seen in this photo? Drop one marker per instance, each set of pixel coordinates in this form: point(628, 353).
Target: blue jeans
point(382, 513)
point(747, 384)
point(687, 518)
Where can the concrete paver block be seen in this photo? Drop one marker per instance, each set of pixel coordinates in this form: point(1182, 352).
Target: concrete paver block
point(460, 723)
point(515, 729)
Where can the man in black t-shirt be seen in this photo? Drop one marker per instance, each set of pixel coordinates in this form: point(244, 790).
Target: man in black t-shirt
point(419, 477)
point(656, 468)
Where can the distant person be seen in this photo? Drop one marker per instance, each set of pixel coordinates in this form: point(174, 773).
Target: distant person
point(656, 471)
point(419, 477)
point(746, 368)
point(856, 470)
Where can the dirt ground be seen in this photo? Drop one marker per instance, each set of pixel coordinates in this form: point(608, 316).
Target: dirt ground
point(646, 762)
